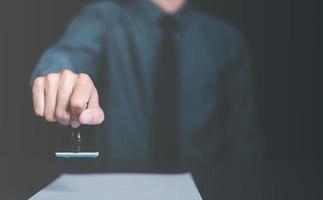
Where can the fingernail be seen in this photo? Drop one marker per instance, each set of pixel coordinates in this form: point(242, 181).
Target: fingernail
point(87, 118)
point(75, 124)
point(63, 122)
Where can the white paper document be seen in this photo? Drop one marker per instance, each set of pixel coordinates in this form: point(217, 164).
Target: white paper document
point(121, 187)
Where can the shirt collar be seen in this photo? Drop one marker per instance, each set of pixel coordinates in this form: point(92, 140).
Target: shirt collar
point(154, 13)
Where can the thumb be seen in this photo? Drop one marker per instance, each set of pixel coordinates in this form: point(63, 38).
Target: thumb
point(94, 114)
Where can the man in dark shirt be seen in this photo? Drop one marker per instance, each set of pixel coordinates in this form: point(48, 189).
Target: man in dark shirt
point(116, 46)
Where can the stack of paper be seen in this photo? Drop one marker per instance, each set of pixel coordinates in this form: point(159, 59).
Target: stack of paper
point(121, 187)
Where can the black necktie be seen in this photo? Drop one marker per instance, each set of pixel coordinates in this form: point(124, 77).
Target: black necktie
point(165, 120)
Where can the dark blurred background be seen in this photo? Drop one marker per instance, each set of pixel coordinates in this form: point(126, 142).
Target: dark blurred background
point(283, 35)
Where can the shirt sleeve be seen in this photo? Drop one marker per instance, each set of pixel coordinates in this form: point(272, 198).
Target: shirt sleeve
point(240, 121)
point(80, 48)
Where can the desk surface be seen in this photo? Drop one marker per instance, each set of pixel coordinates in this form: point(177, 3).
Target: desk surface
point(302, 179)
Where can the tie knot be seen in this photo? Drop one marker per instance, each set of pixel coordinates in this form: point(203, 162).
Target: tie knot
point(168, 23)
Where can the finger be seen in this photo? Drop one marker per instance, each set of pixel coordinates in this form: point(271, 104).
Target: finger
point(66, 83)
point(80, 97)
point(51, 87)
point(93, 114)
point(38, 96)
point(75, 123)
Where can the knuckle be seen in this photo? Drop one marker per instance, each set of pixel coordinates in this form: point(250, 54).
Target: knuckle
point(38, 81)
point(84, 79)
point(84, 76)
point(67, 73)
point(76, 103)
point(51, 77)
